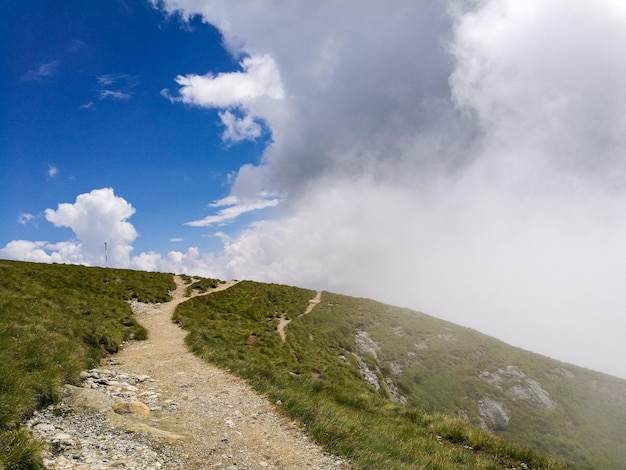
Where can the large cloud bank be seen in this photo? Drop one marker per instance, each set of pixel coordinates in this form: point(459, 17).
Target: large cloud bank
point(466, 159)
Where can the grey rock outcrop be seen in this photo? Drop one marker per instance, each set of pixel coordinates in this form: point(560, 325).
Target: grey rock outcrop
point(494, 414)
point(517, 385)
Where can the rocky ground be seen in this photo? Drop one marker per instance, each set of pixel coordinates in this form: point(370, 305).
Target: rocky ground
point(154, 405)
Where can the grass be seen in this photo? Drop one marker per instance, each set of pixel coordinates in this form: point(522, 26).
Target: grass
point(55, 321)
point(199, 286)
point(236, 329)
point(437, 366)
point(18, 450)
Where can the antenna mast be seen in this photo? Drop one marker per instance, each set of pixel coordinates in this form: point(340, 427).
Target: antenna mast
point(106, 260)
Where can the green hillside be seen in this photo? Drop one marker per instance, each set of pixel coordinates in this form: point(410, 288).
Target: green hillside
point(370, 380)
point(383, 386)
point(563, 410)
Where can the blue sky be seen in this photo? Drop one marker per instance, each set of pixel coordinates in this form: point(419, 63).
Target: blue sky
point(462, 158)
point(83, 110)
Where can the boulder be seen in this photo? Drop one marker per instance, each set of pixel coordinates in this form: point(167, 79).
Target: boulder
point(132, 408)
point(87, 399)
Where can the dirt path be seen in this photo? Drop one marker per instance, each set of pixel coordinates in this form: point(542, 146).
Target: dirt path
point(225, 424)
point(283, 321)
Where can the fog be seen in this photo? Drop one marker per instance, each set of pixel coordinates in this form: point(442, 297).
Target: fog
point(465, 160)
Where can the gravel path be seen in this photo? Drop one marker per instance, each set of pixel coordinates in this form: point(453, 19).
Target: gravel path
point(201, 417)
point(283, 321)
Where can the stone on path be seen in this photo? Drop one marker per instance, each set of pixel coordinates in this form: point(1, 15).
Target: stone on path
point(87, 399)
point(132, 408)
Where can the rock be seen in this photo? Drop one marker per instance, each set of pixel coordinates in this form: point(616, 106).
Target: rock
point(518, 385)
point(61, 436)
point(369, 376)
point(93, 443)
point(365, 344)
point(133, 408)
point(43, 428)
point(86, 399)
point(533, 392)
point(496, 415)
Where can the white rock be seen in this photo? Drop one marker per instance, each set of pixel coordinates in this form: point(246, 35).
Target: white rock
point(44, 428)
point(62, 437)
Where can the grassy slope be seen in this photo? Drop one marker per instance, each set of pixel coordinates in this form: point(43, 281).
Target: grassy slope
point(56, 320)
point(437, 365)
point(236, 329)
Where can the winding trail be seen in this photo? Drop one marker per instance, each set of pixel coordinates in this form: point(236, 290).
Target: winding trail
point(223, 422)
point(283, 321)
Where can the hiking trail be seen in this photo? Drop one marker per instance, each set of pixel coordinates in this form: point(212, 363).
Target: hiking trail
point(283, 321)
point(207, 418)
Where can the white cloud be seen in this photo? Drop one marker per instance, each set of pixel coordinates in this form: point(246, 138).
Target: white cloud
point(259, 79)
point(53, 170)
point(107, 80)
point(239, 128)
point(148, 262)
point(233, 208)
point(545, 79)
point(44, 70)
point(118, 87)
point(121, 79)
point(114, 95)
point(45, 252)
point(25, 250)
point(177, 262)
point(25, 218)
point(95, 218)
point(255, 93)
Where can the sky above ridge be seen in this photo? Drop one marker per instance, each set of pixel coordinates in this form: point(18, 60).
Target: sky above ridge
point(462, 158)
